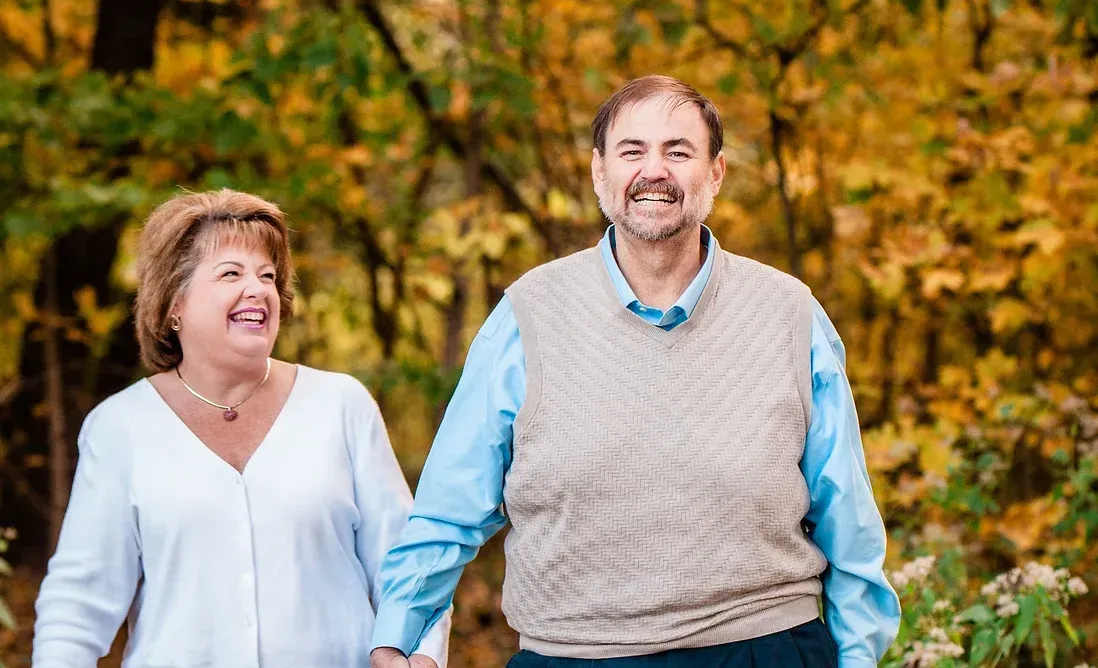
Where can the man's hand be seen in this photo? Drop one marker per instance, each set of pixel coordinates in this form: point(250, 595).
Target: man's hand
point(390, 657)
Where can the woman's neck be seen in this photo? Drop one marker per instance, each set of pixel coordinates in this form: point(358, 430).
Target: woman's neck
point(222, 382)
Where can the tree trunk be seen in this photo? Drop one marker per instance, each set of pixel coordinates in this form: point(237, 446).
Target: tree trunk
point(59, 462)
point(777, 138)
point(51, 367)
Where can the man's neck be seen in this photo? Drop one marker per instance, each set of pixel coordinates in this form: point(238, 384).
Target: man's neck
point(659, 271)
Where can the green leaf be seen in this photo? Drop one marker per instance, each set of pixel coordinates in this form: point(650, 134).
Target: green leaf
point(218, 178)
point(21, 224)
point(983, 641)
point(439, 97)
point(674, 30)
point(728, 83)
point(1000, 7)
point(1072, 634)
point(1006, 643)
point(1048, 644)
point(977, 614)
point(233, 133)
point(1026, 614)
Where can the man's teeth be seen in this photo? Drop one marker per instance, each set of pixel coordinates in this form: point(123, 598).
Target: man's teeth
point(659, 197)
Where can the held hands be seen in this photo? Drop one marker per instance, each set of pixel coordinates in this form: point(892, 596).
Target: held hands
point(390, 657)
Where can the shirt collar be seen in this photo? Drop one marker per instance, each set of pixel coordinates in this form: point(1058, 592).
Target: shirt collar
point(689, 298)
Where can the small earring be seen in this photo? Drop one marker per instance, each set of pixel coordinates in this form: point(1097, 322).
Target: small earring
point(175, 323)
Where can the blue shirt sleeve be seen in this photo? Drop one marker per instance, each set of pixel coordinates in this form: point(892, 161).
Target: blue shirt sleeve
point(860, 607)
point(460, 494)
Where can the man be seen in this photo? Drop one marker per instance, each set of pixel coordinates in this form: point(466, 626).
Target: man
point(670, 431)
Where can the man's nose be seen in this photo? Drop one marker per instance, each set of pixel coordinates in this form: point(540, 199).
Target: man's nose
point(654, 168)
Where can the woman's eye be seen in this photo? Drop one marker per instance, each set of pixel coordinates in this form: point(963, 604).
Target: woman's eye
point(269, 276)
point(231, 273)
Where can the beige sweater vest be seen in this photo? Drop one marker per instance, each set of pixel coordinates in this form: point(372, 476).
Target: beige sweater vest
point(655, 494)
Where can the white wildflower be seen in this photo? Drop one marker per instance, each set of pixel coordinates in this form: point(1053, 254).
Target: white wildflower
point(1074, 404)
point(925, 655)
point(1088, 425)
point(912, 572)
point(1076, 587)
point(1026, 580)
point(941, 606)
point(1008, 610)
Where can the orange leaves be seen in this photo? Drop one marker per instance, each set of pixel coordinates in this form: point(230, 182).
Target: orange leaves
point(1009, 315)
point(939, 279)
point(852, 223)
point(1026, 525)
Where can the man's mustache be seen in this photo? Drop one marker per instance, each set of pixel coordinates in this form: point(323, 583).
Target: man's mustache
point(661, 187)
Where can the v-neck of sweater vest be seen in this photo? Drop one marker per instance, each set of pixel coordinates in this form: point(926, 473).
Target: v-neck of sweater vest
point(668, 338)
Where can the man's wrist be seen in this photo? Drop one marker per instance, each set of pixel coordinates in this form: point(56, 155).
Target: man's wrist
point(383, 651)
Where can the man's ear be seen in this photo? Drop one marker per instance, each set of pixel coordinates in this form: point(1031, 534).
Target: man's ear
point(717, 171)
point(598, 169)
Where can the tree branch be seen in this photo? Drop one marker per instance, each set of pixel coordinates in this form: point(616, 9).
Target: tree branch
point(447, 131)
point(7, 43)
point(701, 16)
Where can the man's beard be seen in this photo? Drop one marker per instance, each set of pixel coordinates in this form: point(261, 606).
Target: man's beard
point(694, 212)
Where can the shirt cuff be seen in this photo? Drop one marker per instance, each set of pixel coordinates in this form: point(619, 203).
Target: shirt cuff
point(856, 662)
point(436, 641)
point(63, 655)
point(396, 626)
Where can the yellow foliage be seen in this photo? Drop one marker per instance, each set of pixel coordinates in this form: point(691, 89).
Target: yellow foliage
point(1026, 524)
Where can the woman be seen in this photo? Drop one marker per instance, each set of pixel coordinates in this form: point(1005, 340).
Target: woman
point(237, 507)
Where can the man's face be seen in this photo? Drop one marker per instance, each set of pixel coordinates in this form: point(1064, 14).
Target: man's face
point(656, 178)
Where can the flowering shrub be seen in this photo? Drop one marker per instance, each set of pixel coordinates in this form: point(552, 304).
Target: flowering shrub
point(1017, 619)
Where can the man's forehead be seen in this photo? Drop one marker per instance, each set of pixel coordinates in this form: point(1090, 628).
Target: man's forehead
point(657, 116)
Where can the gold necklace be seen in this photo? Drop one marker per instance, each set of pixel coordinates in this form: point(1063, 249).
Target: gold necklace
point(230, 413)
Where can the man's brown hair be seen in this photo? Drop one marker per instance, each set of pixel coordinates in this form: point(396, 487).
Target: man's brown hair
point(177, 236)
point(651, 86)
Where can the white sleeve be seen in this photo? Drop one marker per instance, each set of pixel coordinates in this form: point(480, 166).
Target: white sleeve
point(91, 578)
point(384, 502)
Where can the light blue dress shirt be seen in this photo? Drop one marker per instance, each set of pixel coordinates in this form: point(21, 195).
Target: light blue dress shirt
point(458, 501)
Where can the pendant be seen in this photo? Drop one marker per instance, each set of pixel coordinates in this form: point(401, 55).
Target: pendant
point(230, 415)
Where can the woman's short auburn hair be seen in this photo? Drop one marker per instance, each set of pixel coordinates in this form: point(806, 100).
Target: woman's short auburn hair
point(176, 238)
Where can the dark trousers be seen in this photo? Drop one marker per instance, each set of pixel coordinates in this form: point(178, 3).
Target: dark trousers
point(806, 646)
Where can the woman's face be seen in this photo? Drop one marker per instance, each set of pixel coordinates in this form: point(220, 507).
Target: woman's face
point(229, 309)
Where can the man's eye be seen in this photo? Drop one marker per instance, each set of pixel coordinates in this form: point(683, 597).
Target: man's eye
point(631, 153)
point(679, 154)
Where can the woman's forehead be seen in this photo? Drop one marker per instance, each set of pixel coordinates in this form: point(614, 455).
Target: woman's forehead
point(236, 240)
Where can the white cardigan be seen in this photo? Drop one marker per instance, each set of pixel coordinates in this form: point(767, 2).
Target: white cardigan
point(273, 568)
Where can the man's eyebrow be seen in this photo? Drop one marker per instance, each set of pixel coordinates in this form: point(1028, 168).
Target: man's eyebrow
point(631, 142)
point(679, 141)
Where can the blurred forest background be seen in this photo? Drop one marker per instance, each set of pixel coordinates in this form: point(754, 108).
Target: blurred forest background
point(928, 167)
